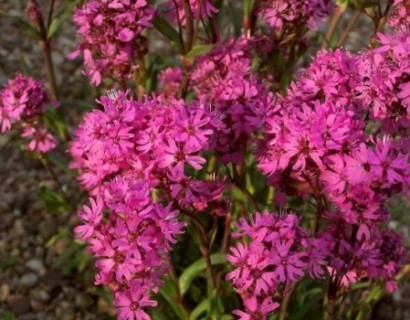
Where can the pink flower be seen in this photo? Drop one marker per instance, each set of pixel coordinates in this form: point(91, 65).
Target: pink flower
point(276, 254)
point(91, 216)
point(41, 140)
point(111, 40)
point(131, 303)
point(198, 12)
point(257, 310)
point(170, 79)
point(277, 14)
point(176, 155)
point(24, 100)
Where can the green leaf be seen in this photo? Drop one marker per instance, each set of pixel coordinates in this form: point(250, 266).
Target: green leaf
point(24, 66)
point(167, 31)
point(363, 4)
point(60, 18)
point(197, 268)
point(53, 200)
point(247, 7)
point(343, 3)
point(56, 122)
point(200, 309)
point(235, 17)
point(26, 27)
point(216, 308)
point(199, 49)
point(168, 292)
point(9, 316)
point(8, 263)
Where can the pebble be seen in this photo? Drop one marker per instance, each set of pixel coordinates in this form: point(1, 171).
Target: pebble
point(47, 228)
point(37, 306)
point(37, 266)
point(29, 280)
point(4, 292)
point(18, 227)
point(19, 304)
point(83, 301)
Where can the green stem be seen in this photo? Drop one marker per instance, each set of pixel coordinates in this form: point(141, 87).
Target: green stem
point(50, 12)
point(285, 303)
point(337, 16)
point(179, 298)
point(189, 19)
point(349, 28)
point(197, 22)
point(204, 246)
point(47, 165)
point(45, 44)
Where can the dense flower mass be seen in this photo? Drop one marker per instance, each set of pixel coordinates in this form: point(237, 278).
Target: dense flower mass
point(224, 81)
point(380, 256)
point(399, 17)
point(23, 102)
point(337, 140)
point(386, 86)
point(110, 37)
point(170, 80)
point(123, 153)
point(280, 14)
point(279, 253)
point(318, 144)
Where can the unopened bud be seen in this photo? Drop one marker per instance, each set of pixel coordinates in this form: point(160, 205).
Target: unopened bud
point(34, 13)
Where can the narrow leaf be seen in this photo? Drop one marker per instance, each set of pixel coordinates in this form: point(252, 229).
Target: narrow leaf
point(168, 292)
point(53, 200)
point(199, 49)
point(60, 18)
point(197, 268)
point(200, 309)
point(167, 31)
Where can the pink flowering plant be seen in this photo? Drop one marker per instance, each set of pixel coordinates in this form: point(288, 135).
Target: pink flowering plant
point(239, 171)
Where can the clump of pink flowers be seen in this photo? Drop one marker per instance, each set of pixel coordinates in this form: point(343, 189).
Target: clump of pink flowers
point(125, 153)
point(170, 79)
point(281, 15)
point(379, 256)
point(274, 259)
point(224, 81)
point(316, 145)
point(23, 102)
point(399, 17)
point(111, 39)
point(200, 9)
point(337, 139)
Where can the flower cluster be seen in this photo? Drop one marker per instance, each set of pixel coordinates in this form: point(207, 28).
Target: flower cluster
point(294, 14)
point(381, 256)
point(152, 140)
point(170, 80)
point(338, 138)
point(111, 40)
point(23, 102)
point(279, 253)
point(132, 158)
point(131, 243)
point(386, 85)
point(223, 80)
point(315, 140)
point(399, 17)
point(199, 11)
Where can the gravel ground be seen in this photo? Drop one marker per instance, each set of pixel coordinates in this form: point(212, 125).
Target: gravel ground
point(36, 281)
